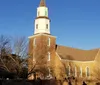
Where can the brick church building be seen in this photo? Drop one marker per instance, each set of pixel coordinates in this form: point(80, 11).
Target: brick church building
point(47, 59)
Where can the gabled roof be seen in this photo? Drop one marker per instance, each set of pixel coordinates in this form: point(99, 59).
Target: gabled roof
point(69, 53)
point(42, 3)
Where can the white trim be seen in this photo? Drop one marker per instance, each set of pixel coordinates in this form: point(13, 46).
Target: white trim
point(48, 56)
point(41, 34)
point(78, 61)
point(49, 41)
point(34, 42)
point(58, 55)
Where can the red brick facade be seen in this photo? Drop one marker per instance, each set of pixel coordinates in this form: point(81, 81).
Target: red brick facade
point(39, 47)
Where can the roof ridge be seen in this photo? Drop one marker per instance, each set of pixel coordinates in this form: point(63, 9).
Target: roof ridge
point(78, 48)
point(72, 47)
point(97, 53)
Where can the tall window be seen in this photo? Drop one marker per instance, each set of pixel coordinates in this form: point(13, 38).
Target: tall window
point(48, 56)
point(48, 41)
point(87, 71)
point(34, 41)
point(80, 71)
point(75, 72)
point(68, 71)
point(46, 26)
point(36, 26)
point(33, 57)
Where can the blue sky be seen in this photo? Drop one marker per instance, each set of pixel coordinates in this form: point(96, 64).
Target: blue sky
point(75, 23)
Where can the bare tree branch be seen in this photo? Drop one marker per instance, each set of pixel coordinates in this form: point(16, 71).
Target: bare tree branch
point(5, 48)
point(21, 47)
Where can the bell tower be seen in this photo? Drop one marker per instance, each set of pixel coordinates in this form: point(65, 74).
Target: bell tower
point(41, 44)
point(42, 22)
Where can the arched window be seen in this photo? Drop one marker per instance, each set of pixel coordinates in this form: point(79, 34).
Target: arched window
point(36, 26)
point(48, 56)
point(48, 41)
point(68, 70)
point(75, 72)
point(80, 71)
point(87, 71)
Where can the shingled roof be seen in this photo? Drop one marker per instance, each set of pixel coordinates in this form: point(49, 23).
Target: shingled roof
point(76, 54)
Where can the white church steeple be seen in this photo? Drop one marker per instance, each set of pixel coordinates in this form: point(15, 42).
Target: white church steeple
point(42, 22)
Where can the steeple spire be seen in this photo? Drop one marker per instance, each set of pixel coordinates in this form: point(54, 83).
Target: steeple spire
point(42, 3)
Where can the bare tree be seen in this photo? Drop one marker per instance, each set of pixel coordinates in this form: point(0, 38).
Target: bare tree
point(39, 65)
point(38, 61)
point(5, 49)
point(5, 45)
point(20, 47)
point(16, 62)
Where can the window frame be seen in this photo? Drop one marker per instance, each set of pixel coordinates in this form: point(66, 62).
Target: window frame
point(34, 42)
point(81, 72)
point(48, 56)
point(87, 72)
point(75, 71)
point(49, 40)
point(68, 70)
point(33, 57)
point(46, 26)
point(36, 26)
